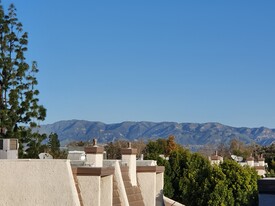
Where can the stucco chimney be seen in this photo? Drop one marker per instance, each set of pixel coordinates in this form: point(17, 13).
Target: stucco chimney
point(9, 148)
point(129, 157)
point(94, 155)
point(250, 161)
point(261, 160)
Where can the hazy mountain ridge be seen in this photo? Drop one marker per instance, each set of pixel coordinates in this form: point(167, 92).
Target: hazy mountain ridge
point(185, 133)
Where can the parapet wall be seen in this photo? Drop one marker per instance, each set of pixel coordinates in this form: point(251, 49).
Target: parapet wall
point(37, 182)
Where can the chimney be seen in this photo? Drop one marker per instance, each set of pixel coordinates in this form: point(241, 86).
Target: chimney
point(261, 160)
point(129, 156)
point(250, 161)
point(94, 155)
point(9, 148)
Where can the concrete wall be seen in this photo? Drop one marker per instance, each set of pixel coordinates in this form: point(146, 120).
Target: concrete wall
point(37, 182)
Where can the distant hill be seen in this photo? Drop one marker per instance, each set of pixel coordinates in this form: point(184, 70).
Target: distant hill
point(191, 134)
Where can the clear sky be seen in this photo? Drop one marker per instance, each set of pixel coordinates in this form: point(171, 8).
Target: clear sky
point(154, 60)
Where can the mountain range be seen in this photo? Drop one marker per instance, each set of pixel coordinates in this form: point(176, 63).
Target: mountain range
point(188, 134)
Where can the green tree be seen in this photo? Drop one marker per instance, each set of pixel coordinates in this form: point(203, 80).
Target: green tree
point(190, 179)
point(178, 160)
point(168, 189)
point(54, 145)
point(154, 149)
point(113, 149)
point(268, 153)
point(220, 194)
point(242, 181)
point(19, 104)
point(194, 181)
point(238, 148)
point(34, 144)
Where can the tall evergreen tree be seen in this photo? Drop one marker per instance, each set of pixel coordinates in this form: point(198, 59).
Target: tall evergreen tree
point(54, 145)
point(19, 103)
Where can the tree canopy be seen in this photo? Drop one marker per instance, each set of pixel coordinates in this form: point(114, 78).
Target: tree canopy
point(19, 103)
point(190, 178)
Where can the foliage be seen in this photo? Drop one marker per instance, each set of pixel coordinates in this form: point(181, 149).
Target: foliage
point(160, 147)
point(190, 179)
point(19, 105)
point(155, 148)
point(54, 144)
point(171, 145)
point(227, 184)
point(53, 147)
point(269, 154)
point(238, 148)
point(219, 192)
point(113, 149)
point(165, 147)
point(194, 180)
point(235, 147)
point(242, 181)
point(34, 144)
point(168, 188)
point(78, 144)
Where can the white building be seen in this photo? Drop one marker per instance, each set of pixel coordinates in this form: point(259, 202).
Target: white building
point(94, 181)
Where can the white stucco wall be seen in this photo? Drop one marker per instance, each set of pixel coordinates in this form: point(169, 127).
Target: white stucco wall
point(118, 179)
point(217, 162)
point(3, 154)
point(250, 163)
point(106, 197)
point(37, 182)
point(146, 163)
point(94, 160)
point(159, 189)
point(90, 189)
point(169, 202)
point(261, 172)
point(261, 163)
point(147, 185)
point(130, 159)
point(7, 153)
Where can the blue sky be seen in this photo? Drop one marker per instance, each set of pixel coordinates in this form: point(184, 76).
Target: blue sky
point(181, 61)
